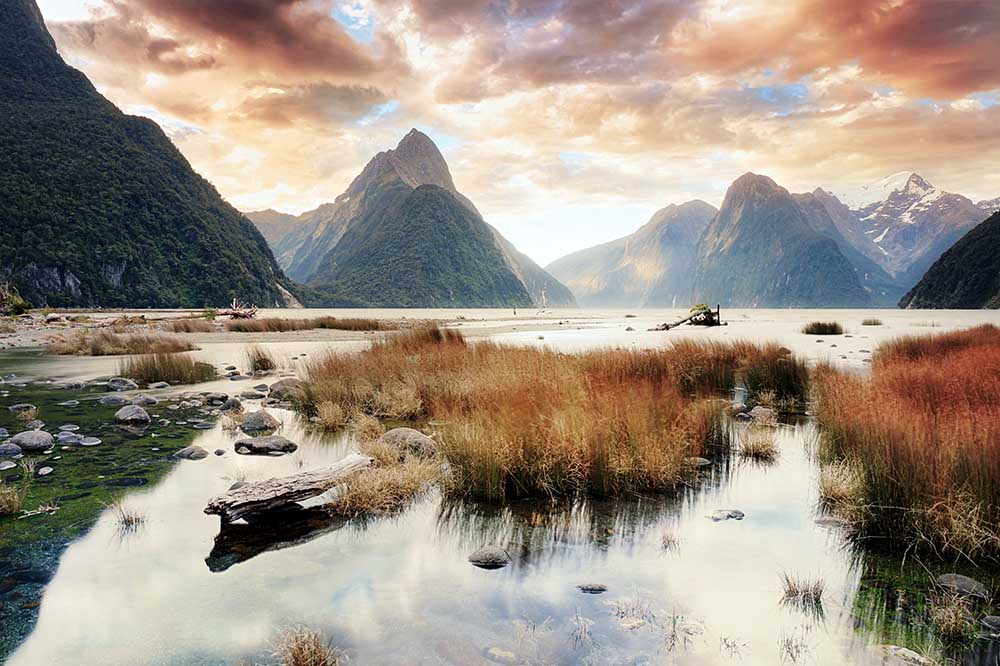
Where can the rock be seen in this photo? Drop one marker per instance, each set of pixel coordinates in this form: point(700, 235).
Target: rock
point(35, 425)
point(252, 395)
point(261, 388)
point(726, 514)
point(6, 465)
point(237, 485)
point(902, 655)
point(69, 427)
point(259, 422)
point(959, 584)
point(144, 400)
point(133, 414)
point(592, 588)
point(90, 441)
point(763, 414)
point(737, 408)
point(743, 416)
point(121, 384)
point(239, 378)
point(265, 445)
point(287, 389)
point(68, 438)
point(22, 407)
point(490, 557)
point(629, 329)
point(9, 450)
point(216, 398)
point(114, 400)
point(69, 403)
point(220, 452)
point(408, 440)
point(232, 405)
point(33, 440)
point(4, 434)
point(44, 471)
point(990, 622)
point(158, 385)
point(696, 461)
point(193, 452)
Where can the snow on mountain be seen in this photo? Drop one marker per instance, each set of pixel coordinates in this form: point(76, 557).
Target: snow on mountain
point(990, 205)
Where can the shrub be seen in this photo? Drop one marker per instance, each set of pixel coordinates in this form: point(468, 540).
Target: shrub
point(823, 328)
point(172, 368)
point(517, 422)
point(11, 303)
point(923, 434)
point(259, 359)
point(109, 343)
point(872, 322)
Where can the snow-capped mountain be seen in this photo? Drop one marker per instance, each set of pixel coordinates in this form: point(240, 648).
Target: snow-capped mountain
point(990, 205)
point(911, 221)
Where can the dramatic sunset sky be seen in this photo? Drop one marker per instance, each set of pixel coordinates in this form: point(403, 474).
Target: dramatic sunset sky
point(567, 122)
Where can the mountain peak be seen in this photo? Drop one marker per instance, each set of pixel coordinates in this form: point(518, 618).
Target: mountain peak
point(908, 183)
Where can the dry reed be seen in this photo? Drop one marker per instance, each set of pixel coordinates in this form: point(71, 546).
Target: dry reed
point(281, 325)
point(109, 343)
point(172, 368)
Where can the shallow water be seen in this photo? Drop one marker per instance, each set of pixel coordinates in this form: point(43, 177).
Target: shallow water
point(400, 590)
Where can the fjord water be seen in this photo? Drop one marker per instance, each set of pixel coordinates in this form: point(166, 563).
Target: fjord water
point(400, 590)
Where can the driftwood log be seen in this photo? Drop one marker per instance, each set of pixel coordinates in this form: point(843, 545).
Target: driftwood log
point(699, 316)
point(282, 491)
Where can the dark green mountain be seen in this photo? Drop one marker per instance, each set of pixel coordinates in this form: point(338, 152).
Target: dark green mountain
point(418, 248)
point(310, 249)
point(100, 208)
point(762, 250)
point(966, 276)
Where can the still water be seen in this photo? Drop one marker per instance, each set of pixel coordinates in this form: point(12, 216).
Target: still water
point(681, 589)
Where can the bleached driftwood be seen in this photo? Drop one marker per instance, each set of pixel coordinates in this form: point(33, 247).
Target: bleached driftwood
point(240, 310)
point(282, 491)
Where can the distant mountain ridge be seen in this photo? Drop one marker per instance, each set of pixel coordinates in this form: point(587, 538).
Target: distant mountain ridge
point(325, 247)
point(98, 208)
point(966, 276)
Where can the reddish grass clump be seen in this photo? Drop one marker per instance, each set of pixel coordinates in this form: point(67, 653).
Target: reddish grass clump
point(280, 325)
point(518, 421)
point(923, 433)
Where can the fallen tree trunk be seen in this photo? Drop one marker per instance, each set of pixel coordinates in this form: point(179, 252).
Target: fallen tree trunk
point(282, 491)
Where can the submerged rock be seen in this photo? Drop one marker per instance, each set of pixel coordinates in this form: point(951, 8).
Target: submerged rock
point(33, 440)
point(408, 440)
point(216, 398)
point(22, 407)
point(144, 400)
point(121, 384)
point(133, 414)
point(6, 465)
point(90, 441)
point(158, 385)
point(232, 405)
point(10, 450)
point(763, 414)
point(44, 471)
point(902, 655)
point(959, 584)
point(265, 445)
point(287, 389)
point(592, 588)
point(490, 557)
point(259, 422)
point(114, 400)
point(193, 452)
point(726, 514)
point(697, 461)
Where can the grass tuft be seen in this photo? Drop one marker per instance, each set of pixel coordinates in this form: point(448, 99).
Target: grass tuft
point(757, 442)
point(259, 359)
point(386, 488)
point(951, 615)
point(110, 343)
point(281, 325)
point(189, 326)
point(873, 321)
point(823, 328)
point(301, 646)
point(172, 368)
point(803, 593)
point(11, 499)
point(126, 519)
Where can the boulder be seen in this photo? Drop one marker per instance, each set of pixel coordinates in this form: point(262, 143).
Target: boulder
point(9, 450)
point(232, 405)
point(763, 414)
point(158, 385)
point(193, 452)
point(121, 384)
point(33, 440)
point(259, 422)
point(132, 414)
point(726, 514)
point(959, 584)
point(408, 440)
point(144, 400)
point(22, 407)
point(265, 445)
point(490, 557)
point(216, 398)
point(287, 389)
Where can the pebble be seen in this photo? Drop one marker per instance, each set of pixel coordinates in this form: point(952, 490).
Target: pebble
point(726, 514)
point(592, 588)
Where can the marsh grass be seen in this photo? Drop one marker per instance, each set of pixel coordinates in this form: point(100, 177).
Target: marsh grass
point(259, 359)
point(529, 422)
point(110, 343)
point(281, 325)
point(11, 499)
point(172, 368)
point(386, 488)
point(127, 520)
point(806, 594)
point(823, 328)
point(758, 442)
point(189, 326)
point(873, 321)
point(952, 616)
point(301, 646)
point(923, 434)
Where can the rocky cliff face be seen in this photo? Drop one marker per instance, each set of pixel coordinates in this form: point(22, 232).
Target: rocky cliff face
point(966, 276)
point(761, 251)
point(99, 208)
point(414, 163)
point(651, 268)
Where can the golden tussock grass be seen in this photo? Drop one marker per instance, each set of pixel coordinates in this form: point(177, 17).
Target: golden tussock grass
point(109, 343)
point(872, 322)
point(516, 421)
point(823, 328)
point(758, 442)
point(172, 368)
point(259, 359)
point(11, 499)
point(189, 326)
point(386, 488)
point(301, 646)
point(952, 616)
point(923, 434)
point(280, 325)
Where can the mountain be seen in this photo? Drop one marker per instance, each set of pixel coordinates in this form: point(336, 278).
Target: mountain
point(311, 252)
point(762, 250)
point(989, 205)
point(650, 268)
point(98, 208)
point(912, 222)
point(965, 276)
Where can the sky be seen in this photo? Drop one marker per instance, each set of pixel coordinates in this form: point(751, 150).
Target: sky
point(567, 122)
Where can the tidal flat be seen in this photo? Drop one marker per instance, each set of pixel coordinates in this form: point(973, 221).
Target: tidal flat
point(693, 575)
